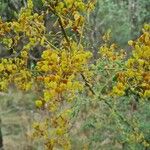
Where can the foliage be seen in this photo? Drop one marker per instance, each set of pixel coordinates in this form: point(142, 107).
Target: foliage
point(118, 17)
point(56, 72)
point(69, 87)
point(136, 77)
point(114, 116)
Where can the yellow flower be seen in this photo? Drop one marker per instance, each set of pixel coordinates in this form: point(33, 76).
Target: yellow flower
point(38, 103)
point(28, 86)
point(46, 54)
point(24, 54)
point(54, 57)
point(60, 131)
point(45, 68)
point(1, 67)
point(147, 93)
point(9, 67)
point(4, 85)
point(118, 89)
point(48, 95)
point(46, 79)
point(130, 42)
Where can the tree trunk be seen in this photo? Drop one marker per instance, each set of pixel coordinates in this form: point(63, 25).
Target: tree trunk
point(1, 138)
point(133, 12)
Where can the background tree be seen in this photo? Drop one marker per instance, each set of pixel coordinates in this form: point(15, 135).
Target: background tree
point(124, 18)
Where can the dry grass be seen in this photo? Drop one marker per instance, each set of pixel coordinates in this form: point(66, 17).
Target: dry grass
point(16, 112)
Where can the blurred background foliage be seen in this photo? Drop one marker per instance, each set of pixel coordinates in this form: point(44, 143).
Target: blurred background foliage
point(17, 112)
point(124, 18)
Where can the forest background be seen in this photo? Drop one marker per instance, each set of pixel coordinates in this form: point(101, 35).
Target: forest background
point(123, 20)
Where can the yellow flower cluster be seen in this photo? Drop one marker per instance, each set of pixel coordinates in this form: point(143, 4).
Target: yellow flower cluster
point(4, 28)
point(71, 12)
point(29, 27)
point(60, 79)
point(31, 24)
point(60, 69)
point(109, 51)
point(13, 70)
point(119, 89)
point(110, 62)
point(57, 73)
point(136, 77)
point(138, 137)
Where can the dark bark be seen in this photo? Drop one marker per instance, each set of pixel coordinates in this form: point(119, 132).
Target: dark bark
point(1, 137)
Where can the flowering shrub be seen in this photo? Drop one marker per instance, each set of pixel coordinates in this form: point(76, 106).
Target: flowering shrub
point(111, 115)
point(57, 73)
point(135, 79)
point(63, 70)
point(123, 86)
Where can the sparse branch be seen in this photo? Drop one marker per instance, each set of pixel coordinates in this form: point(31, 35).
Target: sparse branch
point(61, 24)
